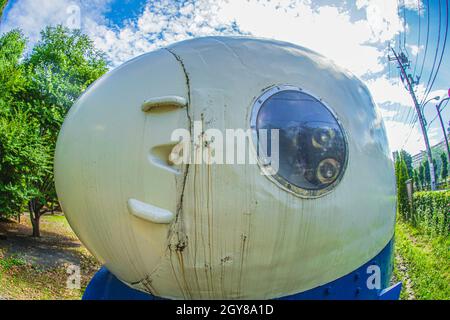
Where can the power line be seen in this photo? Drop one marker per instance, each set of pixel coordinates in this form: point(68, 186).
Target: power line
point(418, 39)
point(435, 55)
point(399, 39)
point(404, 116)
point(404, 28)
point(410, 132)
point(427, 39)
point(442, 52)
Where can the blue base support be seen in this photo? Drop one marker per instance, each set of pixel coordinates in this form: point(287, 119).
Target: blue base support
point(361, 284)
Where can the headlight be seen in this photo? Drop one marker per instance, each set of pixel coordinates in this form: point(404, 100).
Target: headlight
point(312, 144)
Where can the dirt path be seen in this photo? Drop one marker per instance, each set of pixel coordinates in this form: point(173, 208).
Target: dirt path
point(403, 271)
point(36, 268)
point(52, 249)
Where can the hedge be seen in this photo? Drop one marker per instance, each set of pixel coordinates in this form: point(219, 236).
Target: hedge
point(431, 211)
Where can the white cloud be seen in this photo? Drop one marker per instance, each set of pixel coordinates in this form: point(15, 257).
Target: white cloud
point(391, 91)
point(358, 44)
point(355, 45)
point(160, 24)
point(413, 49)
point(413, 4)
point(405, 136)
point(327, 30)
point(32, 16)
point(387, 114)
point(402, 136)
point(382, 17)
point(438, 93)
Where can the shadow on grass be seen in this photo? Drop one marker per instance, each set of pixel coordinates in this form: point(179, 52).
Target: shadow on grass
point(48, 251)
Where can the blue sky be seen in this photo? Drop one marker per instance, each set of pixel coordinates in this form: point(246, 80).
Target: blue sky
point(355, 34)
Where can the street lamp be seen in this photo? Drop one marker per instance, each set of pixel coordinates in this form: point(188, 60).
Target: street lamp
point(424, 104)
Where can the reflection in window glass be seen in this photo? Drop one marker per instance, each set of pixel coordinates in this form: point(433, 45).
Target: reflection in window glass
point(312, 148)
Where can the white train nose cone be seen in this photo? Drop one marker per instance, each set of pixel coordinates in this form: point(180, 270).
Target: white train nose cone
point(202, 230)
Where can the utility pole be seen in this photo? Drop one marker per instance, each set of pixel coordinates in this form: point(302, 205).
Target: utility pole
point(403, 61)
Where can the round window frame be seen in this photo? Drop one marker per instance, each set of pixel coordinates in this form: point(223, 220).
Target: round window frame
point(265, 168)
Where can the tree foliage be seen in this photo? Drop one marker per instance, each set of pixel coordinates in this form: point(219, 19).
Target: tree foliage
point(408, 161)
point(426, 169)
point(25, 161)
point(2, 6)
point(435, 170)
point(416, 180)
point(444, 170)
point(36, 93)
point(13, 80)
point(401, 174)
point(61, 66)
point(422, 175)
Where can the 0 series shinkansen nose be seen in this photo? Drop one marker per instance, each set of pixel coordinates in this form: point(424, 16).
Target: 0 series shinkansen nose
point(151, 174)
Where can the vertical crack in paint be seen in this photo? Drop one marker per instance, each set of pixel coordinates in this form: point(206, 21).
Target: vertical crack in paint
point(178, 225)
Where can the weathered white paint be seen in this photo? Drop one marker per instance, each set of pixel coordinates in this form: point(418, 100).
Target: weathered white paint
point(235, 234)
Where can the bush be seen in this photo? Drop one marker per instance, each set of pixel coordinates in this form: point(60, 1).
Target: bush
point(431, 211)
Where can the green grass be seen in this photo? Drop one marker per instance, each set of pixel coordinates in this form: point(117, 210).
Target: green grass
point(427, 261)
point(7, 263)
point(57, 219)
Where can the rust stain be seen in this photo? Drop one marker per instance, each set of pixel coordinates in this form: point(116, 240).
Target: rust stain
point(175, 275)
point(241, 265)
point(223, 262)
point(147, 283)
point(210, 213)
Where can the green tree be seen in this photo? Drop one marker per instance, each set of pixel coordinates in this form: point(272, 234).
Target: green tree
point(435, 170)
point(12, 72)
point(426, 169)
point(47, 82)
point(444, 170)
point(416, 180)
point(60, 67)
point(25, 162)
point(401, 173)
point(408, 161)
point(2, 6)
point(422, 175)
point(15, 134)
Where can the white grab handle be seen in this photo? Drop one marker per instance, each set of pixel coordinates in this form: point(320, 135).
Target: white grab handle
point(149, 212)
point(164, 103)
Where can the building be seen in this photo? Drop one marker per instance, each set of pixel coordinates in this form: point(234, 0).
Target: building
point(417, 159)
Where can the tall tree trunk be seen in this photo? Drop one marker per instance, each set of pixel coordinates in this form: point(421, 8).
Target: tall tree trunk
point(35, 217)
point(36, 229)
